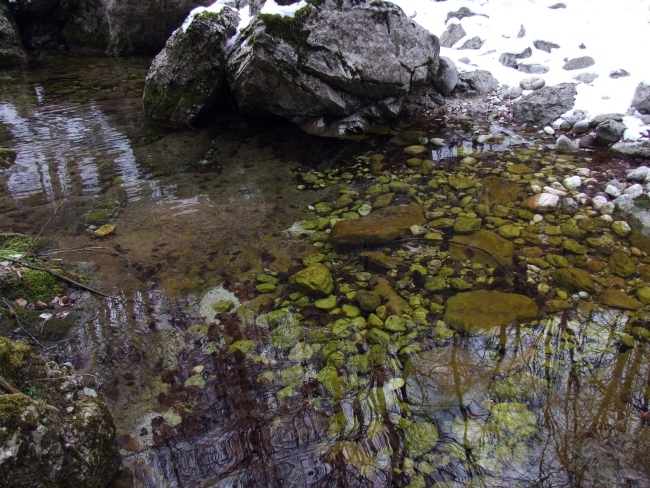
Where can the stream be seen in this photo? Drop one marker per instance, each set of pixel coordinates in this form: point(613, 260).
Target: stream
point(279, 388)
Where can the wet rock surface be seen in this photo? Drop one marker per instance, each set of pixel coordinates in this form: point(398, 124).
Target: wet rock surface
point(12, 51)
point(53, 434)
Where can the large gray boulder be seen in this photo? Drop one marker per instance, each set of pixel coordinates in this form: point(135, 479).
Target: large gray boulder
point(11, 48)
point(186, 78)
point(641, 100)
point(336, 68)
point(632, 149)
point(349, 61)
point(545, 105)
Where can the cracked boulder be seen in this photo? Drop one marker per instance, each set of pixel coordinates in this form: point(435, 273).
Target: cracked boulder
point(336, 68)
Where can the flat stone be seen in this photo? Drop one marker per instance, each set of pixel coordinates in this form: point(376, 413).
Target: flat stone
point(621, 265)
point(618, 299)
point(467, 226)
point(542, 202)
point(414, 150)
point(381, 260)
point(500, 191)
point(483, 247)
point(380, 227)
point(574, 279)
point(443, 379)
point(482, 311)
point(578, 63)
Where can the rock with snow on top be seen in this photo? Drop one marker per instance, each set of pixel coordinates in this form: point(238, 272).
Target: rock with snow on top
point(545, 46)
point(578, 63)
point(638, 174)
point(542, 202)
point(452, 34)
point(532, 68)
point(474, 43)
point(511, 59)
point(532, 83)
point(618, 73)
point(641, 100)
point(185, 79)
point(586, 78)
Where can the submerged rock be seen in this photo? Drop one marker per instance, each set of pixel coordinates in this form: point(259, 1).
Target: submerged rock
point(64, 438)
point(380, 227)
point(574, 279)
point(186, 78)
point(482, 311)
point(314, 280)
point(483, 247)
point(443, 379)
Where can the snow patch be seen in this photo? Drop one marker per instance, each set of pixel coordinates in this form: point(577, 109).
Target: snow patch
point(270, 7)
point(215, 8)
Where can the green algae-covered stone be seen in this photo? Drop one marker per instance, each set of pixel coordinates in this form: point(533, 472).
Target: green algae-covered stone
point(618, 299)
point(574, 279)
point(420, 438)
point(483, 247)
point(315, 280)
point(482, 311)
point(467, 226)
point(621, 265)
point(436, 284)
point(368, 300)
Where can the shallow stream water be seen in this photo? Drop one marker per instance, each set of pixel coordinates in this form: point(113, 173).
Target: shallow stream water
point(277, 394)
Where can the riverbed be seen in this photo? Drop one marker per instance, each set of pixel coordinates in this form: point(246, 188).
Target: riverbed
point(280, 388)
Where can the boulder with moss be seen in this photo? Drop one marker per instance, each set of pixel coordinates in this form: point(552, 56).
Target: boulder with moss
point(335, 67)
point(55, 429)
point(186, 78)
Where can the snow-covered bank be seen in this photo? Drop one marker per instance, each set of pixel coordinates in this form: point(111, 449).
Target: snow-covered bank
point(615, 34)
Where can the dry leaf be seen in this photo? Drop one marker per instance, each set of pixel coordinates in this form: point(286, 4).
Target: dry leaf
point(21, 302)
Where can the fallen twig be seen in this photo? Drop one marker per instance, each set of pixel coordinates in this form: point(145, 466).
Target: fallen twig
point(59, 276)
point(21, 325)
point(6, 386)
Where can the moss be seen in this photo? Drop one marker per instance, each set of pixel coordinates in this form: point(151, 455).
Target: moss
point(13, 357)
point(7, 158)
point(289, 29)
point(13, 417)
point(11, 243)
point(642, 201)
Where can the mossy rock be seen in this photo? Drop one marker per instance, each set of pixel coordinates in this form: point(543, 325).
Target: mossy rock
point(420, 438)
point(618, 299)
point(574, 279)
point(621, 265)
point(483, 247)
point(315, 280)
point(482, 311)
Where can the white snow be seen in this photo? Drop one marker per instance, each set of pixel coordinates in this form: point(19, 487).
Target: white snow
point(245, 18)
point(270, 7)
point(215, 8)
point(615, 34)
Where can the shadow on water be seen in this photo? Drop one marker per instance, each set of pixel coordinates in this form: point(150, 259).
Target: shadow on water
point(279, 392)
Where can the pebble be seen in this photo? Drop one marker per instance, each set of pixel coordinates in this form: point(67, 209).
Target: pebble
point(581, 127)
point(638, 174)
point(634, 190)
point(572, 183)
point(612, 191)
point(549, 130)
